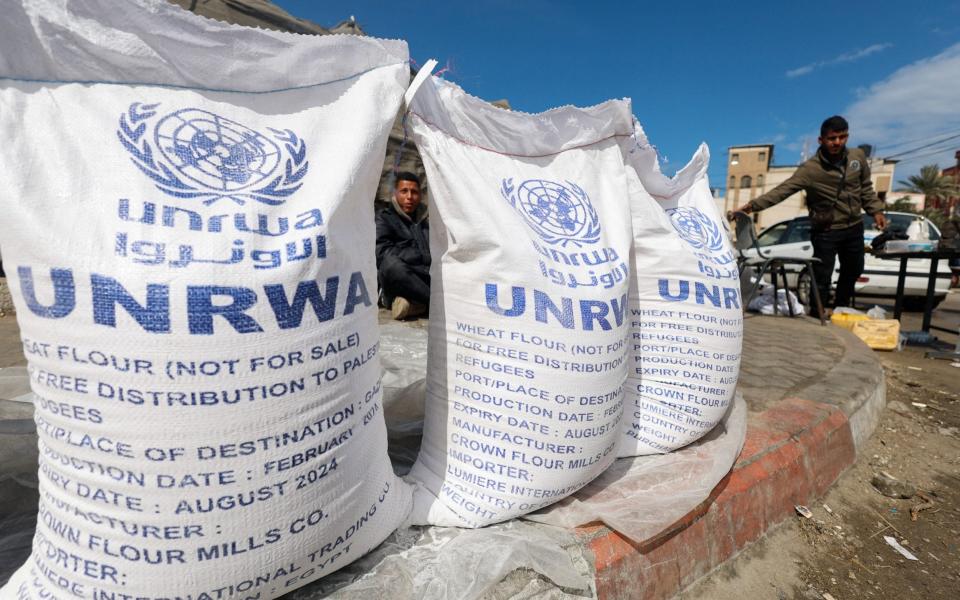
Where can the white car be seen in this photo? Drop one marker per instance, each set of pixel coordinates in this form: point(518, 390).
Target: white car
point(879, 279)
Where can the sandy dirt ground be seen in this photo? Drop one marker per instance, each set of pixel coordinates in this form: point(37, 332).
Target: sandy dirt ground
point(841, 551)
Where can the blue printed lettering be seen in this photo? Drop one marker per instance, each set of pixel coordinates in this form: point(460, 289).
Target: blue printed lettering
point(727, 297)
point(64, 293)
point(519, 301)
point(201, 309)
point(263, 228)
point(542, 303)
point(590, 310)
point(593, 310)
point(107, 293)
point(290, 314)
point(664, 289)
point(195, 222)
point(702, 292)
point(356, 293)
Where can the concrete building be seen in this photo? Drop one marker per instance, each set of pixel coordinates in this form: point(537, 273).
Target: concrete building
point(751, 173)
point(954, 172)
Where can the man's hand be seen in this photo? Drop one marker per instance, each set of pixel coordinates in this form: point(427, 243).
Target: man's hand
point(880, 220)
point(744, 209)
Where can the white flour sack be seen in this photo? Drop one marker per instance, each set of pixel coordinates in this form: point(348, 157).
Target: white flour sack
point(686, 320)
point(528, 318)
point(186, 209)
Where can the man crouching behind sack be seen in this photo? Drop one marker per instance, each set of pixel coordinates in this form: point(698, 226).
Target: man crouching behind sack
point(403, 250)
point(839, 190)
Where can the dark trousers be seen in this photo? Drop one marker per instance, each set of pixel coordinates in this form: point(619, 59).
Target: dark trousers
point(847, 245)
point(397, 278)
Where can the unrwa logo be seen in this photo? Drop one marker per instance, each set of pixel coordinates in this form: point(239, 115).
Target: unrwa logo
point(194, 153)
point(696, 228)
point(559, 214)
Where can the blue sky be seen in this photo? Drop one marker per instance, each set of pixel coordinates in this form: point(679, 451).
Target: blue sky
point(726, 73)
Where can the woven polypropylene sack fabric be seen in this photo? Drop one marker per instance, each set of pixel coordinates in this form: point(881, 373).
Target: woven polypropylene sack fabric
point(527, 350)
point(187, 222)
point(686, 319)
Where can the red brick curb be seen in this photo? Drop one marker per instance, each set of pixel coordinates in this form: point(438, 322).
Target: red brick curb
point(792, 454)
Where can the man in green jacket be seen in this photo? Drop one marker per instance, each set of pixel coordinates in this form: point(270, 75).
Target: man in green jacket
point(839, 190)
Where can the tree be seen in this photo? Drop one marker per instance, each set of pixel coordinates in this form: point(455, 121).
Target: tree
point(903, 204)
point(930, 182)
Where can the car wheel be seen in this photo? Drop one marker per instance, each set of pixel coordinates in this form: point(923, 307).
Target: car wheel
point(915, 303)
point(804, 293)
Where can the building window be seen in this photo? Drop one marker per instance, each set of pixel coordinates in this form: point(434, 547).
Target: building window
point(745, 181)
point(733, 182)
point(762, 156)
point(734, 159)
point(759, 181)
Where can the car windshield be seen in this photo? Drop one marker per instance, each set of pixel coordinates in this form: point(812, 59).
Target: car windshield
point(899, 222)
point(799, 232)
point(772, 236)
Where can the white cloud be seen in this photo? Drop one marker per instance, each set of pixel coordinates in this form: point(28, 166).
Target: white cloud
point(794, 146)
point(800, 71)
point(919, 102)
point(843, 58)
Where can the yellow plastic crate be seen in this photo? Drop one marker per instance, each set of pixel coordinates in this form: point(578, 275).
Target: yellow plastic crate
point(847, 321)
point(879, 334)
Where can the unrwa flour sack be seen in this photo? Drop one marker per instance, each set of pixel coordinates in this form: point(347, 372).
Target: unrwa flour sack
point(686, 320)
point(191, 258)
point(527, 351)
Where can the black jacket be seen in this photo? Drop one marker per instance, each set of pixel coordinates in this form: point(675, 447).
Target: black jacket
point(406, 237)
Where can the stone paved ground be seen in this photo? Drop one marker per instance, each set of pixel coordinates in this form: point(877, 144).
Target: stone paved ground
point(11, 353)
point(782, 356)
point(6, 302)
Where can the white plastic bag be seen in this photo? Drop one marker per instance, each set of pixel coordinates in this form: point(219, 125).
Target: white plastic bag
point(188, 233)
point(528, 310)
point(686, 322)
point(918, 231)
point(763, 302)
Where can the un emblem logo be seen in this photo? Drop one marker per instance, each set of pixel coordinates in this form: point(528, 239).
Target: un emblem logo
point(193, 153)
point(696, 228)
point(559, 214)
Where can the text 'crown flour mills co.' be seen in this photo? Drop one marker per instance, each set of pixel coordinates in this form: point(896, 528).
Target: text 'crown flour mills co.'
point(686, 321)
point(528, 316)
point(188, 233)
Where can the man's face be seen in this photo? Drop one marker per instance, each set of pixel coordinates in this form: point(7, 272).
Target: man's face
point(834, 142)
point(407, 195)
